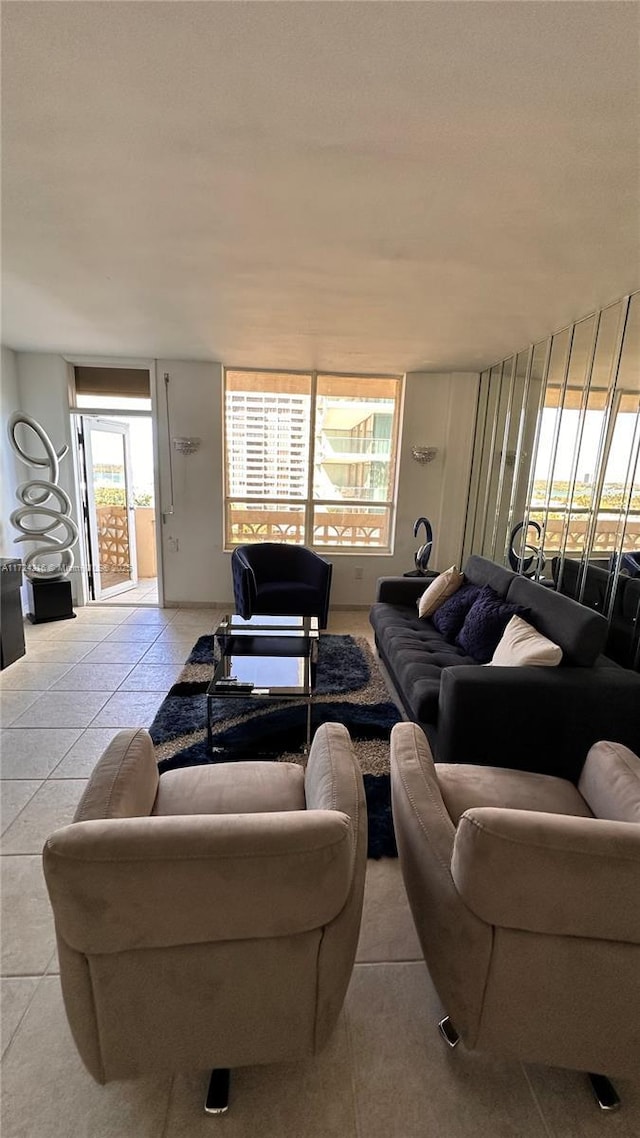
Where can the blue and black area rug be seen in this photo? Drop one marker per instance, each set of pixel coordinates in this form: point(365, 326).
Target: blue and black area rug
point(349, 690)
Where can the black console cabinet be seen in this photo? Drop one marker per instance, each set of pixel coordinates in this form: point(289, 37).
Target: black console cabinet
point(11, 623)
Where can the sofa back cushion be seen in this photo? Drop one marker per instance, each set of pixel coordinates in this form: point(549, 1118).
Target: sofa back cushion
point(481, 571)
point(449, 617)
point(444, 585)
point(579, 631)
point(522, 645)
point(485, 623)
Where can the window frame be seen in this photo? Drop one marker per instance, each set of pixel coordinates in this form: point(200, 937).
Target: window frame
point(309, 503)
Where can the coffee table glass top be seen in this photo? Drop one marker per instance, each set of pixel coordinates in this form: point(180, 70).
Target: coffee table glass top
point(234, 625)
point(265, 657)
point(268, 677)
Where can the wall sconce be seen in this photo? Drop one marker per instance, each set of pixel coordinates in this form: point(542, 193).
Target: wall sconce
point(186, 445)
point(424, 454)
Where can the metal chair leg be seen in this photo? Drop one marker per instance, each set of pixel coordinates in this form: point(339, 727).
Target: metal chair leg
point(217, 1100)
point(448, 1032)
point(606, 1094)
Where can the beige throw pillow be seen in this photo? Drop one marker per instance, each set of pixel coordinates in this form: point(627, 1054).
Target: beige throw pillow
point(444, 586)
point(521, 644)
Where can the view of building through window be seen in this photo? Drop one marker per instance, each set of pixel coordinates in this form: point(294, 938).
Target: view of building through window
point(567, 488)
point(310, 458)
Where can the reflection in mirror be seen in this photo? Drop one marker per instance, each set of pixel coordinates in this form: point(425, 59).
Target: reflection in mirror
point(557, 441)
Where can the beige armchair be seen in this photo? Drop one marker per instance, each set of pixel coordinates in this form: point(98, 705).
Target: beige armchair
point(525, 892)
point(209, 917)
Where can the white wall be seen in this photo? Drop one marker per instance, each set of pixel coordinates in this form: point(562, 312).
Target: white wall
point(439, 411)
point(195, 568)
point(10, 471)
point(43, 380)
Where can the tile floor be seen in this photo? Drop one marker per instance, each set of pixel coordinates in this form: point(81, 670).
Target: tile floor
point(385, 1073)
point(144, 593)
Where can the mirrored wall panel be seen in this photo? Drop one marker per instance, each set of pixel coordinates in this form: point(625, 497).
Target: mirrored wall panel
point(555, 485)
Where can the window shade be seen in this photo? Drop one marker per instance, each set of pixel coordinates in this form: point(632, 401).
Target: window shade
point(120, 381)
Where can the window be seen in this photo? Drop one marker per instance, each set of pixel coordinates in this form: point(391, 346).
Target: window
point(310, 459)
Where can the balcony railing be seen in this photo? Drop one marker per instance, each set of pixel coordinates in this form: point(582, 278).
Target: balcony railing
point(346, 444)
point(338, 529)
point(606, 537)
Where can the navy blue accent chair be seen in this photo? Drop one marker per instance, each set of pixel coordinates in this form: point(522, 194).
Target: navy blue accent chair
point(275, 579)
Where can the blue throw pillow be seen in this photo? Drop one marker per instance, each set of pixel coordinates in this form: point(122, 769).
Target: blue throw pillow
point(449, 618)
point(485, 623)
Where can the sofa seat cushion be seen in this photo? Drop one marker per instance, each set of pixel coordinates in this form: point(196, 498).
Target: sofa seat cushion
point(415, 653)
point(231, 788)
point(464, 787)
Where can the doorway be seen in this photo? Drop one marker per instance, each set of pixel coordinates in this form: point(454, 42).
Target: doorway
point(117, 477)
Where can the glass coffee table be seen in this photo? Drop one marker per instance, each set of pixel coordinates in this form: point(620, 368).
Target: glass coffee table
point(271, 659)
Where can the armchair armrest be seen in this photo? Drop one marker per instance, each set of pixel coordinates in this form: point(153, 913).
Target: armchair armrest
point(333, 780)
point(416, 793)
point(401, 590)
point(537, 719)
point(456, 944)
point(550, 873)
point(130, 883)
point(124, 782)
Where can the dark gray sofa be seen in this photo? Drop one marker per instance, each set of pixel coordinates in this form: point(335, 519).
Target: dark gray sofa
point(624, 624)
point(538, 719)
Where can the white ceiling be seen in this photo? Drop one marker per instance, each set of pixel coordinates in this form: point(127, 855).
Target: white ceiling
point(347, 186)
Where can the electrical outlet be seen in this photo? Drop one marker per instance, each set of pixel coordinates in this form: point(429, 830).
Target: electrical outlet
point(357, 573)
point(173, 544)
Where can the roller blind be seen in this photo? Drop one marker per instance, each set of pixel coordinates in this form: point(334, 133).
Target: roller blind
point(120, 381)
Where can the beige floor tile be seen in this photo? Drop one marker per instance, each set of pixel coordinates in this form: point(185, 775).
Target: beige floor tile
point(152, 617)
point(14, 795)
point(151, 677)
point(120, 652)
point(16, 993)
point(350, 624)
point(570, 1110)
point(62, 709)
point(27, 924)
point(38, 633)
point(309, 1099)
point(110, 611)
point(409, 1083)
point(88, 676)
point(129, 709)
point(33, 752)
point(183, 625)
point(387, 931)
point(51, 807)
point(174, 653)
point(143, 633)
point(183, 634)
point(13, 704)
point(102, 615)
point(83, 756)
point(47, 1092)
point(84, 630)
point(27, 676)
point(52, 651)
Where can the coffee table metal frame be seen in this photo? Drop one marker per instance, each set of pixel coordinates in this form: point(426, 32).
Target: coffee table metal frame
point(262, 638)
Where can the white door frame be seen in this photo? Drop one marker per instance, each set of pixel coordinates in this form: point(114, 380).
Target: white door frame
point(92, 423)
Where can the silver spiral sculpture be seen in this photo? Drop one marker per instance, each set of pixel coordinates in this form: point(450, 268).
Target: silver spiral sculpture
point(36, 496)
